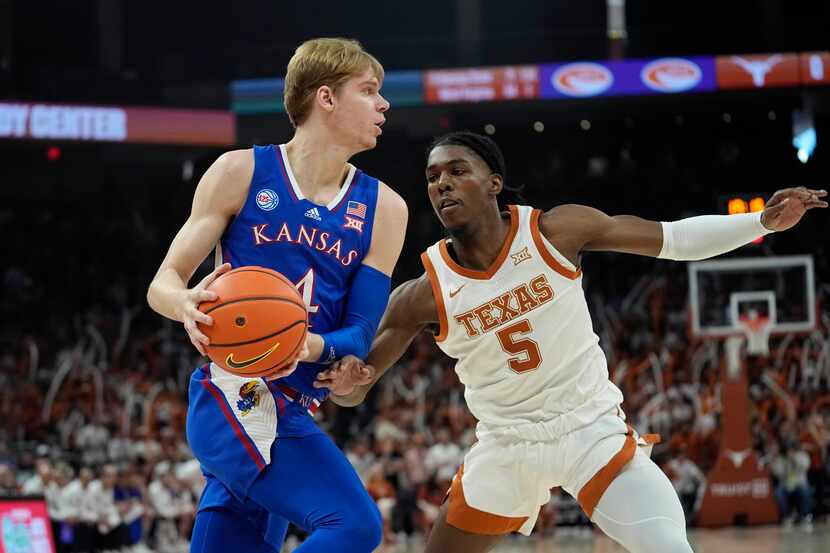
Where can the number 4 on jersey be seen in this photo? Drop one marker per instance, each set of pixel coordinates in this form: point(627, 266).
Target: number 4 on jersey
point(306, 289)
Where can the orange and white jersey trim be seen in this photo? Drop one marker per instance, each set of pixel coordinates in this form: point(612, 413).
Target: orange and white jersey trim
point(522, 334)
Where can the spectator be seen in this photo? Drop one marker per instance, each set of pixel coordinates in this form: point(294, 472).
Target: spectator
point(190, 474)
point(444, 457)
point(415, 460)
point(8, 483)
point(130, 502)
point(144, 446)
point(81, 509)
point(174, 506)
point(36, 485)
point(815, 438)
point(361, 457)
point(688, 480)
point(101, 493)
point(119, 447)
point(430, 496)
point(60, 511)
point(773, 461)
point(793, 489)
point(391, 460)
point(384, 495)
point(386, 425)
point(92, 440)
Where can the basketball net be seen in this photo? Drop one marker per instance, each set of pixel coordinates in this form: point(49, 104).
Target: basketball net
point(757, 331)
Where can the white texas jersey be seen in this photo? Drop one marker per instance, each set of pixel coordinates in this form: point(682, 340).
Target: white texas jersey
point(521, 332)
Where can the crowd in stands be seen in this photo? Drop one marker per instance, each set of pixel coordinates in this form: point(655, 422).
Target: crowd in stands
point(93, 402)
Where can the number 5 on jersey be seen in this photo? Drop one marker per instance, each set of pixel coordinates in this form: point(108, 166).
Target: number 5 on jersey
point(306, 288)
point(525, 350)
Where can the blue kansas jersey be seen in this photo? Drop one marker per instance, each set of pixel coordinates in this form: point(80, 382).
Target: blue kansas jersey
point(233, 422)
point(318, 247)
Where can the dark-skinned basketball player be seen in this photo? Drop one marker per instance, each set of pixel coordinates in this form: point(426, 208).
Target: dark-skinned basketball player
point(505, 293)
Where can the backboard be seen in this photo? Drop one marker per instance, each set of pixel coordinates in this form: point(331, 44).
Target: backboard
point(780, 289)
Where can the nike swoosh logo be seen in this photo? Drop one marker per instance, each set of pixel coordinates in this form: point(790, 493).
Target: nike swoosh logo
point(248, 362)
point(456, 291)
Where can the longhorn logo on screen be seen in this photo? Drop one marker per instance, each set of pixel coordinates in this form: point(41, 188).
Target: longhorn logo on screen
point(758, 67)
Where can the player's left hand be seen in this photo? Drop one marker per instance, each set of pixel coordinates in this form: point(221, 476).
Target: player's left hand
point(345, 375)
point(788, 206)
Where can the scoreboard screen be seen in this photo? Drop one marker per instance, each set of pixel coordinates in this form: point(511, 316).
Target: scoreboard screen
point(25, 526)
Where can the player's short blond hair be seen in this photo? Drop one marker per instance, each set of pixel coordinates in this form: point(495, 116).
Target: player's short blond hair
point(323, 61)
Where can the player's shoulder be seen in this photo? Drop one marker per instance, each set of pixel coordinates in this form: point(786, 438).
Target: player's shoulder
point(236, 163)
point(421, 285)
point(391, 203)
point(416, 288)
point(569, 226)
point(566, 217)
point(225, 184)
point(415, 300)
point(570, 211)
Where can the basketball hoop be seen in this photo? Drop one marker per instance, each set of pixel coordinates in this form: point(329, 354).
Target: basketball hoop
point(757, 329)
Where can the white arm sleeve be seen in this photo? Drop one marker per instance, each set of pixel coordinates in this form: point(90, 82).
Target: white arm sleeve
point(709, 235)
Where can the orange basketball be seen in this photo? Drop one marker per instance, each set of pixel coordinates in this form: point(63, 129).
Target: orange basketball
point(259, 321)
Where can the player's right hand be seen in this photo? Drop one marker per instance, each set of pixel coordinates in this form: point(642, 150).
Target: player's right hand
point(345, 375)
point(788, 206)
point(288, 369)
point(189, 308)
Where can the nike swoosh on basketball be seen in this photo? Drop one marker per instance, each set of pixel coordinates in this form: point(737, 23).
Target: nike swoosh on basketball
point(456, 291)
point(248, 362)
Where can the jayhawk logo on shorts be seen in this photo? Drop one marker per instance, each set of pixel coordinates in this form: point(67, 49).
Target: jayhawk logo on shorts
point(248, 397)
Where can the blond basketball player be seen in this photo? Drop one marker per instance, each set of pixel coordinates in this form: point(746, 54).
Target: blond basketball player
point(505, 293)
point(302, 209)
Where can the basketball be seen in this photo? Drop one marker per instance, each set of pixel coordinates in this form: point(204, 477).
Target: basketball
point(259, 321)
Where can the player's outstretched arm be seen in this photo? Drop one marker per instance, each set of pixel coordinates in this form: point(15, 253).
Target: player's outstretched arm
point(576, 228)
point(218, 197)
point(411, 308)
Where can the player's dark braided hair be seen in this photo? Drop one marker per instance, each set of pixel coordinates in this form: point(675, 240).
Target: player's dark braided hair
point(490, 152)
